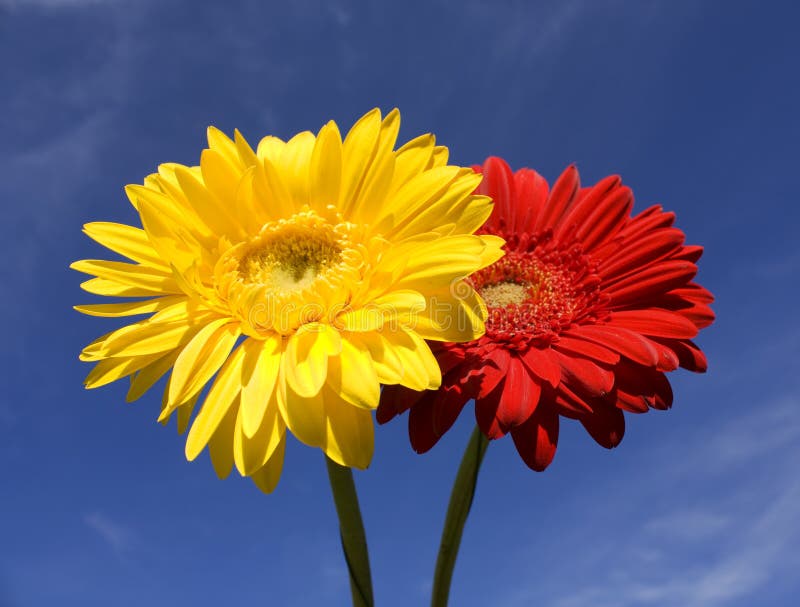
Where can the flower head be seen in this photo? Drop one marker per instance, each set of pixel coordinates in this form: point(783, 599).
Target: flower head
point(299, 277)
point(588, 310)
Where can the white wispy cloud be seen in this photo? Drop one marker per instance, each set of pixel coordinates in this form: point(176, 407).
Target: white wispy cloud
point(43, 173)
point(119, 537)
point(768, 427)
point(759, 549)
point(711, 528)
point(689, 524)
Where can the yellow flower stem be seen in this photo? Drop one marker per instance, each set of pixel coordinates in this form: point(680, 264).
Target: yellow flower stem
point(351, 530)
point(457, 512)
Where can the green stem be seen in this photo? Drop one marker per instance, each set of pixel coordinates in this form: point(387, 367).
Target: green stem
point(457, 512)
point(351, 531)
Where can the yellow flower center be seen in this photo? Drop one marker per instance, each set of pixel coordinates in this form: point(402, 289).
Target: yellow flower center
point(290, 257)
point(296, 270)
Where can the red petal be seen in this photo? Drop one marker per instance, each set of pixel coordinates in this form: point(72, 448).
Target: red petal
point(667, 359)
point(585, 376)
point(396, 400)
point(690, 253)
point(629, 344)
point(689, 355)
point(700, 314)
point(648, 384)
point(536, 440)
point(575, 345)
point(447, 355)
point(655, 322)
point(648, 282)
point(647, 221)
point(544, 364)
point(650, 248)
point(570, 403)
point(434, 415)
point(607, 219)
point(587, 201)
point(520, 396)
point(635, 403)
point(498, 182)
point(532, 191)
point(606, 426)
point(562, 195)
point(493, 371)
point(694, 292)
point(486, 413)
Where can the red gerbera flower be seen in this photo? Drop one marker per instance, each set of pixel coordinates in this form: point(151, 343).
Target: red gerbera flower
point(588, 310)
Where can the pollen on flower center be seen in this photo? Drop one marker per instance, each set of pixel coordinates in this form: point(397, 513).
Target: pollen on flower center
point(505, 293)
point(533, 295)
point(296, 270)
point(290, 259)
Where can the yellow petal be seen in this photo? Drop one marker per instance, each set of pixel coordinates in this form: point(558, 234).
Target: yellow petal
point(305, 361)
point(378, 176)
point(259, 375)
point(112, 288)
point(268, 476)
point(124, 239)
point(166, 410)
point(247, 156)
point(149, 375)
point(305, 417)
point(358, 150)
point(220, 445)
point(294, 165)
point(446, 204)
point(252, 453)
point(249, 204)
point(270, 187)
point(401, 304)
point(420, 192)
point(220, 175)
point(270, 148)
point(220, 143)
point(467, 216)
point(386, 362)
point(420, 369)
point(412, 159)
point(455, 314)
point(175, 239)
point(326, 167)
point(201, 358)
point(185, 413)
point(440, 156)
point(112, 369)
point(145, 278)
point(494, 249)
point(150, 338)
point(435, 264)
point(350, 436)
point(214, 213)
point(113, 344)
point(368, 318)
point(223, 395)
point(352, 376)
point(128, 308)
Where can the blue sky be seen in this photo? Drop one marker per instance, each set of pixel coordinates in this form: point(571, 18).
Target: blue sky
point(693, 103)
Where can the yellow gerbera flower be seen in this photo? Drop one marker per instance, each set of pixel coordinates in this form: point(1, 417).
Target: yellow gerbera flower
point(303, 275)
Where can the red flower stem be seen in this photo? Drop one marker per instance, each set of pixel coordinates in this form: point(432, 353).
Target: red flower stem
point(457, 512)
point(351, 531)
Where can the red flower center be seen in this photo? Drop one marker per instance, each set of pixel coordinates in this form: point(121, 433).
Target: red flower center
point(535, 293)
